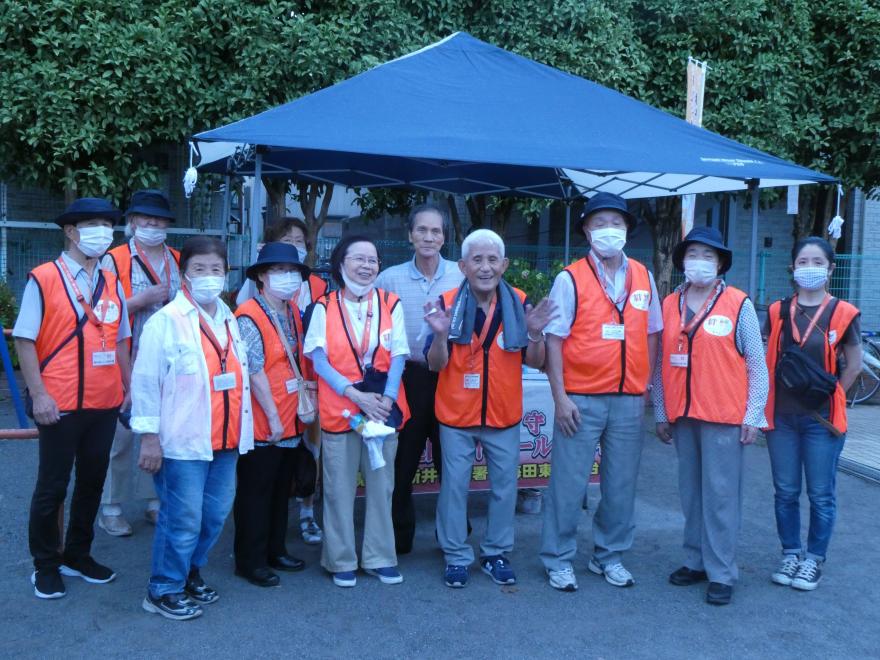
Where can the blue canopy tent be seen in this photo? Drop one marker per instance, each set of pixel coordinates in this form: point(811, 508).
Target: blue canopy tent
point(466, 117)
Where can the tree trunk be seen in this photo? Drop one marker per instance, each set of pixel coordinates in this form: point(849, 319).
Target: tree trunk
point(664, 218)
point(308, 200)
point(456, 219)
point(276, 204)
point(477, 209)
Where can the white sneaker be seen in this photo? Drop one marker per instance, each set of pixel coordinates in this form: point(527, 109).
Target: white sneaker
point(114, 525)
point(563, 579)
point(614, 574)
point(787, 570)
point(808, 576)
point(311, 533)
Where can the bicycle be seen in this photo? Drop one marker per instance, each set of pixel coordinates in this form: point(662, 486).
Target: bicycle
point(868, 381)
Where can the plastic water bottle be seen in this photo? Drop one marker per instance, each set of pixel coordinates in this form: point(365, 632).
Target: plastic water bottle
point(356, 422)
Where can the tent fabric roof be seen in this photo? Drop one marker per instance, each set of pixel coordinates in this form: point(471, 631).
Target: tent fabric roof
point(464, 116)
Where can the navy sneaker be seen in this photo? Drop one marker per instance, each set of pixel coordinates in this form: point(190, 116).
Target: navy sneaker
point(344, 579)
point(456, 576)
point(498, 568)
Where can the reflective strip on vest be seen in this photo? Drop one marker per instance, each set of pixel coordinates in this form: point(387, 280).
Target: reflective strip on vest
point(593, 365)
point(713, 387)
point(65, 345)
point(497, 403)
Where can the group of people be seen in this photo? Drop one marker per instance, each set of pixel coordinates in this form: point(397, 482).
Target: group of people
point(133, 356)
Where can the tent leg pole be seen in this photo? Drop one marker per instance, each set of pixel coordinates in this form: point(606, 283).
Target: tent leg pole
point(256, 219)
point(753, 253)
point(568, 226)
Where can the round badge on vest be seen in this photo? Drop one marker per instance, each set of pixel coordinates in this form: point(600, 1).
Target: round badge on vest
point(499, 339)
point(112, 313)
point(640, 299)
point(718, 325)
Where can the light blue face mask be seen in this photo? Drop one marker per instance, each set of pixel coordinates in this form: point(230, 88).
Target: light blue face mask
point(811, 277)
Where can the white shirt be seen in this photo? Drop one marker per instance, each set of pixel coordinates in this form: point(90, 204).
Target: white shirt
point(563, 294)
point(397, 345)
point(170, 385)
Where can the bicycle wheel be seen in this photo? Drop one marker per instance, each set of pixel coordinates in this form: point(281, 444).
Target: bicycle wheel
point(868, 382)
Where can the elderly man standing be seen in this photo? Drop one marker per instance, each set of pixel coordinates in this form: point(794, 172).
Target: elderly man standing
point(416, 282)
point(481, 334)
point(600, 352)
point(147, 270)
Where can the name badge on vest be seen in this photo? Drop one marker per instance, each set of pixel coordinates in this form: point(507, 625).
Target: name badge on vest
point(678, 359)
point(292, 385)
point(472, 381)
point(103, 358)
point(613, 331)
point(224, 382)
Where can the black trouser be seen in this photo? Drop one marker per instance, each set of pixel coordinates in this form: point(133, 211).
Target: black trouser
point(83, 437)
point(260, 510)
point(420, 385)
point(305, 471)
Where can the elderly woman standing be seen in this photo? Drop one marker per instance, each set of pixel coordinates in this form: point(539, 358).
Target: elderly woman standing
point(709, 397)
point(271, 327)
point(192, 405)
point(357, 342)
point(808, 331)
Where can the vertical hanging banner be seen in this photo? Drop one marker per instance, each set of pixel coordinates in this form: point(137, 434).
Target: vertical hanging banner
point(791, 200)
point(696, 85)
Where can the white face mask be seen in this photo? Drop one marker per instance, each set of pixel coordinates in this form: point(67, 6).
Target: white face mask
point(700, 271)
point(150, 236)
point(207, 288)
point(285, 285)
point(811, 277)
point(302, 252)
point(608, 242)
point(94, 241)
point(360, 290)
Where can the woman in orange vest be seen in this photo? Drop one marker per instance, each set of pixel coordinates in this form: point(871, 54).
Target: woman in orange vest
point(710, 389)
point(192, 406)
point(70, 336)
point(271, 327)
point(482, 332)
point(807, 430)
point(357, 342)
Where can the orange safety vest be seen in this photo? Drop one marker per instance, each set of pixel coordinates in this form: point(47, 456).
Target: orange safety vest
point(122, 258)
point(591, 364)
point(496, 401)
point(841, 317)
point(317, 287)
point(67, 343)
point(704, 374)
point(277, 369)
point(342, 355)
point(225, 405)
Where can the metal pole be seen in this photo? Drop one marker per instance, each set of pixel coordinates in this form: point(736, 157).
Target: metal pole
point(568, 224)
point(256, 219)
point(4, 237)
point(753, 253)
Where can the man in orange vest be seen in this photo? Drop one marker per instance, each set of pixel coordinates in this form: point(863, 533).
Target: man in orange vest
point(148, 272)
point(600, 352)
point(70, 336)
point(482, 332)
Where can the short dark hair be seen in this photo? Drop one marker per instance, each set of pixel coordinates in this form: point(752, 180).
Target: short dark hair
point(819, 242)
point(341, 249)
point(198, 245)
point(424, 208)
point(278, 230)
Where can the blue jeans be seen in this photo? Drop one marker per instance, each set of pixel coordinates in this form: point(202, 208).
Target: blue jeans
point(799, 444)
point(195, 497)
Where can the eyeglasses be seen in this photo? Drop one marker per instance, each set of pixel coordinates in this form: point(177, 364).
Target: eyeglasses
point(360, 260)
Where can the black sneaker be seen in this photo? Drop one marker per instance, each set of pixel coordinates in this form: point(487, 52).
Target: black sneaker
point(88, 569)
point(198, 591)
point(172, 606)
point(684, 577)
point(808, 576)
point(718, 594)
point(48, 584)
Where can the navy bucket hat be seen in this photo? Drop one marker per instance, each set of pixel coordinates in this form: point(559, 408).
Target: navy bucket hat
point(705, 236)
point(151, 202)
point(276, 253)
point(88, 208)
point(605, 201)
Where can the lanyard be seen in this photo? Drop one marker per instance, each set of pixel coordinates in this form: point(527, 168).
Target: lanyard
point(698, 317)
point(283, 337)
point(795, 333)
point(481, 338)
point(627, 283)
point(361, 350)
point(146, 264)
point(222, 353)
point(80, 298)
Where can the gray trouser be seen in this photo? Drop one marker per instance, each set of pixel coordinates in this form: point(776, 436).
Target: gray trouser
point(501, 449)
point(710, 474)
point(343, 455)
point(124, 478)
point(615, 420)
